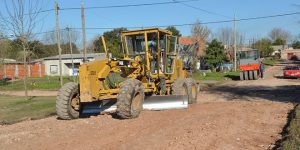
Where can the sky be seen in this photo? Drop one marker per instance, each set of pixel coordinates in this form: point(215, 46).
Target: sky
point(177, 13)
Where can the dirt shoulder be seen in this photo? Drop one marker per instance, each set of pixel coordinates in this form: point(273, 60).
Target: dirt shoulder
point(30, 93)
point(234, 115)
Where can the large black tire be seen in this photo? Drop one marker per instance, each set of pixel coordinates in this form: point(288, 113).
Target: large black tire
point(246, 75)
point(130, 99)
point(255, 73)
point(68, 102)
point(241, 76)
point(180, 87)
point(192, 90)
point(251, 75)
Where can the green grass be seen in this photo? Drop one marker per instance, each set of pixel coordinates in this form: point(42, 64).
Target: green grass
point(292, 141)
point(43, 83)
point(217, 76)
point(269, 61)
point(14, 109)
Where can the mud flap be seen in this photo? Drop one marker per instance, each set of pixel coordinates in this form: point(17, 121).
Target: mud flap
point(150, 103)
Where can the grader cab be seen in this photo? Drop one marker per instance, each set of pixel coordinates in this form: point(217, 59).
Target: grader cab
point(147, 65)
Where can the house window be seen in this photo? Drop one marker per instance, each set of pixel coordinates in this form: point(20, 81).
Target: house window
point(53, 69)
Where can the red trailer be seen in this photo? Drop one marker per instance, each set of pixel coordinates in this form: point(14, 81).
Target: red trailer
point(249, 64)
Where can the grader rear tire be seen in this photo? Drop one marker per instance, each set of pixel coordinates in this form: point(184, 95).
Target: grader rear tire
point(130, 99)
point(68, 102)
point(192, 90)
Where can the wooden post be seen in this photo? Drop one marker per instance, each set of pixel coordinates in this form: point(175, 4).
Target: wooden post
point(71, 50)
point(58, 43)
point(235, 64)
point(83, 30)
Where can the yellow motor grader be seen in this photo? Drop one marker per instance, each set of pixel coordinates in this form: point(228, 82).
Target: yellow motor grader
point(147, 65)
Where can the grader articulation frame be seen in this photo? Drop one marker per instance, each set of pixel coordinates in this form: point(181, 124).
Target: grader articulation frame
point(146, 65)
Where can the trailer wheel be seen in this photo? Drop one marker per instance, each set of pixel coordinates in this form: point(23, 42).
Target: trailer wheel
point(241, 76)
point(246, 75)
point(251, 75)
point(192, 90)
point(255, 73)
point(130, 99)
point(68, 102)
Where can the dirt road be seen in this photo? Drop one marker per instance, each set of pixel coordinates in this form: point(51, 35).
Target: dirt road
point(235, 115)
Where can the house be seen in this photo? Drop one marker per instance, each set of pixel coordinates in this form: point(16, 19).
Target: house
point(290, 54)
point(187, 40)
point(52, 63)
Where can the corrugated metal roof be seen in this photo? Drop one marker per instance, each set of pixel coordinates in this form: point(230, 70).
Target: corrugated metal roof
point(76, 56)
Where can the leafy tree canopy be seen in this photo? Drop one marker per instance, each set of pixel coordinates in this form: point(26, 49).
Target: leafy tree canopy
point(112, 40)
point(264, 46)
point(296, 45)
point(174, 31)
point(215, 53)
point(279, 41)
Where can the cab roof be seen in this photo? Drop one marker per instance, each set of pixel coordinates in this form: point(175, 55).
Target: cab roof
point(146, 30)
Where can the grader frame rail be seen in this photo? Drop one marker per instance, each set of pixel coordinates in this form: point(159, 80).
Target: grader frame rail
point(146, 65)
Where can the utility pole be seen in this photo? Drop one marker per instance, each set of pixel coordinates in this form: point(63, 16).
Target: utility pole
point(235, 64)
point(71, 50)
point(58, 43)
point(83, 30)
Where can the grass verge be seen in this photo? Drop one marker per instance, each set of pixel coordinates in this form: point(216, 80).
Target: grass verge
point(269, 61)
point(15, 109)
point(43, 83)
point(217, 76)
point(292, 137)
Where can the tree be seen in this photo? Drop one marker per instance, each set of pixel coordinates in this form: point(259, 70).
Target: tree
point(296, 45)
point(226, 36)
point(279, 41)
point(112, 40)
point(50, 37)
point(21, 20)
point(264, 46)
point(200, 35)
point(279, 34)
point(199, 31)
point(174, 31)
point(215, 53)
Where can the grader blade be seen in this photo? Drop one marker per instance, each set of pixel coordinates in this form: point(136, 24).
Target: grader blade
point(150, 103)
point(165, 102)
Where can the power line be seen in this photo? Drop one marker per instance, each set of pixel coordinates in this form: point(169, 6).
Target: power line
point(180, 25)
point(131, 5)
point(203, 23)
point(200, 9)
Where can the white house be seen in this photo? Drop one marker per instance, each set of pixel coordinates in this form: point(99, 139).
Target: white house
point(52, 63)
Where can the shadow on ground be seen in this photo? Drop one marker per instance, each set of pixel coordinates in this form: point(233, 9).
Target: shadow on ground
point(289, 93)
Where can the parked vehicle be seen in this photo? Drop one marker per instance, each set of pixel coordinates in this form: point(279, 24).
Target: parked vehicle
point(291, 72)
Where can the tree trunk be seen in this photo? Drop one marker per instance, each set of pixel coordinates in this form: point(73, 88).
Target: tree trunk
point(25, 73)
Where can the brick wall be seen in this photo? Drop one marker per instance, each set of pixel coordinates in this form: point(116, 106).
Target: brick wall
point(17, 70)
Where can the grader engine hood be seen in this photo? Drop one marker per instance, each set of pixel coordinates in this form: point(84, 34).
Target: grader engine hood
point(91, 77)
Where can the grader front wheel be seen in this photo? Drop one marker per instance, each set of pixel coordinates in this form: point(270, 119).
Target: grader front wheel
point(130, 99)
point(192, 90)
point(186, 87)
point(67, 102)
